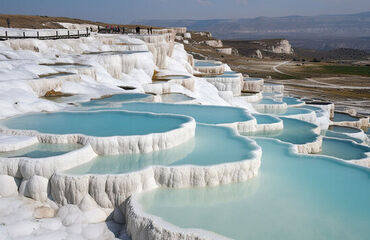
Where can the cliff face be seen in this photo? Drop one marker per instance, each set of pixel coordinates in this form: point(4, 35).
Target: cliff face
point(261, 48)
point(282, 46)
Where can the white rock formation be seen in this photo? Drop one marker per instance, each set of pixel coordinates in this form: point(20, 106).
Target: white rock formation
point(253, 85)
point(226, 51)
point(217, 68)
point(8, 186)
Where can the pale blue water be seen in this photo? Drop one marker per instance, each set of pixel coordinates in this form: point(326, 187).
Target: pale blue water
point(294, 197)
point(340, 135)
point(344, 129)
point(265, 119)
point(211, 145)
point(201, 113)
point(285, 112)
point(294, 111)
point(42, 150)
point(292, 101)
point(269, 101)
point(343, 149)
point(340, 117)
point(295, 131)
point(319, 111)
point(253, 79)
point(206, 64)
point(175, 97)
point(226, 74)
point(101, 123)
point(118, 98)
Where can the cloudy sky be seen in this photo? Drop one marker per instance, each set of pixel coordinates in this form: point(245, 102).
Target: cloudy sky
point(125, 11)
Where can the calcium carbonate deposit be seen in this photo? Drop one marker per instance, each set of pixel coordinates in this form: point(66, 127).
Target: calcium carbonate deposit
point(125, 136)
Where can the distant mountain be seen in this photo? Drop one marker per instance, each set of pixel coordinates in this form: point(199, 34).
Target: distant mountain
point(346, 26)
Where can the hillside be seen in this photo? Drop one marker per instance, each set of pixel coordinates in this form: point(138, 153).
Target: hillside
point(327, 31)
point(44, 22)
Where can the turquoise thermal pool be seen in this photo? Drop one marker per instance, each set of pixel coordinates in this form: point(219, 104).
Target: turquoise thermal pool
point(268, 101)
point(211, 145)
point(319, 111)
point(332, 134)
point(201, 113)
point(99, 123)
point(344, 129)
point(292, 101)
point(253, 79)
point(342, 117)
point(343, 149)
point(295, 132)
point(294, 197)
point(41, 150)
point(265, 119)
point(175, 97)
point(118, 98)
point(206, 64)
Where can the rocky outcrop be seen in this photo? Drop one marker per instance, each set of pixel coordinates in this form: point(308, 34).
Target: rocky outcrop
point(281, 47)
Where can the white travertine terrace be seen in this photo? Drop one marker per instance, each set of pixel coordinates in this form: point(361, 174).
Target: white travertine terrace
point(270, 107)
point(252, 98)
point(255, 85)
point(362, 121)
point(218, 68)
point(273, 88)
point(25, 168)
point(308, 117)
point(227, 83)
point(119, 63)
point(112, 190)
point(119, 144)
point(11, 143)
point(326, 106)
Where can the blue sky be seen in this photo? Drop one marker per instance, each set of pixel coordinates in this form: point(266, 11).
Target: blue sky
point(124, 11)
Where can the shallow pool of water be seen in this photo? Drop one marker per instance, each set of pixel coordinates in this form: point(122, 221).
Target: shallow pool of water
point(292, 101)
point(295, 131)
point(206, 64)
point(341, 117)
point(211, 145)
point(344, 129)
point(265, 119)
point(329, 133)
point(201, 113)
point(99, 123)
point(294, 197)
point(343, 149)
point(42, 150)
point(117, 98)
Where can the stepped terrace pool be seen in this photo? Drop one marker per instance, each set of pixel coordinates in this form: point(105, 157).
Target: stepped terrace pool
point(201, 113)
point(41, 150)
point(295, 132)
point(118, 98)
point(344, 149)
point(294, 197)
point(97, 123)
point(212, 145)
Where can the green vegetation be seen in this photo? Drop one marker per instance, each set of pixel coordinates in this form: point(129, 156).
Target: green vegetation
point(348, 70)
